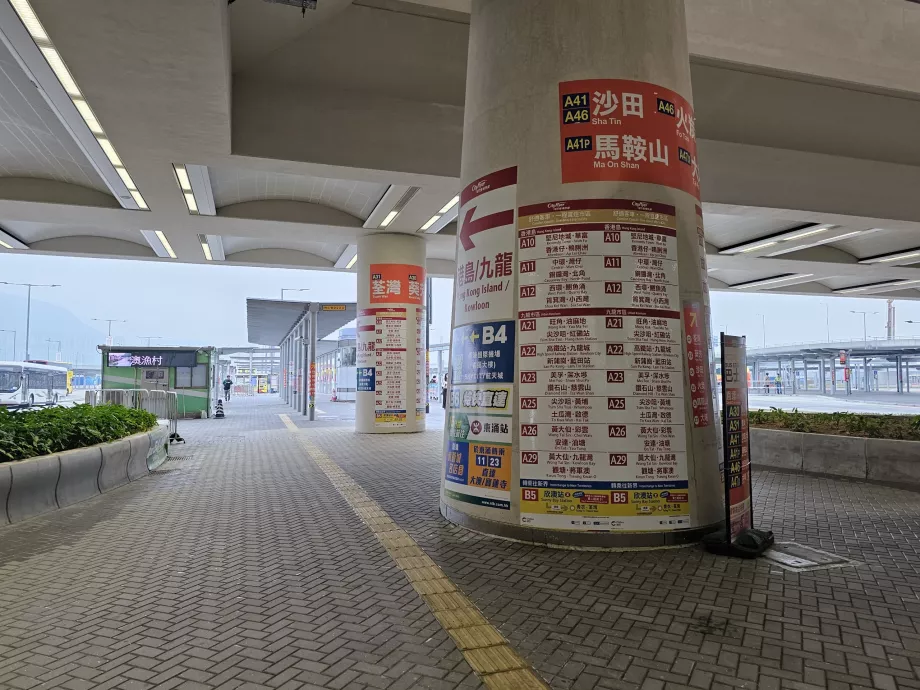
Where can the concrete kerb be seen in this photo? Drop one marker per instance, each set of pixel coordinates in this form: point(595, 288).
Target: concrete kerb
point(39, 485)
point(79, 479)
point(114, 471)
point(159, 447)
point(137, 460)
point(34, 487)
point(853, 457)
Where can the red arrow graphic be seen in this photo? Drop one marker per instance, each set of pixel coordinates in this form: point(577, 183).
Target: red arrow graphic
point(471, 227)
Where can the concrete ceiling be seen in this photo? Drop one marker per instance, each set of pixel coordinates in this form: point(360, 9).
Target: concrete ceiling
point(306, 131)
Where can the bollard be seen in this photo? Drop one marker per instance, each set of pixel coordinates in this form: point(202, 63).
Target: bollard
point(219, 411)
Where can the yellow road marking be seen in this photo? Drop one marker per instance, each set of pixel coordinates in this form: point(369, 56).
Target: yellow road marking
point(485, 649)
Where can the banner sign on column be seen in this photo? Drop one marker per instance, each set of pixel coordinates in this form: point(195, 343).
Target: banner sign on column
point(738, 504)
point(479, 423)
point(627, 131)
point(382, 347)
point(697, 363)
point(602, 436)
point(397, 284)
point(485, 255)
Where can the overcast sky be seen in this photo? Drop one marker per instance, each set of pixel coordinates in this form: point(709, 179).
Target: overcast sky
point(206, 305)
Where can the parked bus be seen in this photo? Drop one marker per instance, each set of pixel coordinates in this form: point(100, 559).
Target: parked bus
point(23, 384)
point(66, 365)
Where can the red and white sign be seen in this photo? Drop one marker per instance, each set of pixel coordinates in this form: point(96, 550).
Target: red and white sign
point(397, 284)
point(485, 254)
point(697, 364)
point(627, 131)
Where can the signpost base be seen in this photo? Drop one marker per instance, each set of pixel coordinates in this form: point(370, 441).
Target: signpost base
point(751, 543)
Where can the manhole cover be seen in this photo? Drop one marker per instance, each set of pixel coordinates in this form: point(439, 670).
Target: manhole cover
point(789, 555)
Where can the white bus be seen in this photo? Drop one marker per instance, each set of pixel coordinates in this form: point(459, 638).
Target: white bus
point(23, 384)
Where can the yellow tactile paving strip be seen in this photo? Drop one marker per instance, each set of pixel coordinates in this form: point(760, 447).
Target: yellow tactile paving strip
point(485, 649)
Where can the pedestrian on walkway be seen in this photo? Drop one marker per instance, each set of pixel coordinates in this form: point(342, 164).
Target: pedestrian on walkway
point(444, 392)
point(228, 382)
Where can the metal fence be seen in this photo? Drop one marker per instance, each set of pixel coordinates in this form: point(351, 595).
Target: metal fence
point(164, 404)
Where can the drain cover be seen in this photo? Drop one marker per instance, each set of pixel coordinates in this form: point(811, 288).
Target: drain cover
point(789, 555)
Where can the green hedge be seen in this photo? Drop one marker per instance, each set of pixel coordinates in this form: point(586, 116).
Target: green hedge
point(898, 427)
point(27, 434)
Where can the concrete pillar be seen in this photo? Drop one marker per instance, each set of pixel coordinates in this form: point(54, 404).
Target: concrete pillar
point(391, 323)
point(572, 316)
point(823, 376)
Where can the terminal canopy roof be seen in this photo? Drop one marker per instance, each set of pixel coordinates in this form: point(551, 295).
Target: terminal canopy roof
point(269, 321)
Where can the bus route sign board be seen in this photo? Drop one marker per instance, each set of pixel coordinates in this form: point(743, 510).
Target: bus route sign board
point(739, 515)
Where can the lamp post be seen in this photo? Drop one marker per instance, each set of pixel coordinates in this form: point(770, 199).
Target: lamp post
point(49, 341)
point(827, 319)
point(292, 290)
point(763, 323)
point(29, 287)
point(108, 339)
point(865, 332)
point(4, 330)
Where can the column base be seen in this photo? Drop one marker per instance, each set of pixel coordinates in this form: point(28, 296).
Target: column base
point(586, 541)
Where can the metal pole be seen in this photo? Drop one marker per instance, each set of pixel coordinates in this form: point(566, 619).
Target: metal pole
point(865, 373)
point(28, 318)
point(314, 316)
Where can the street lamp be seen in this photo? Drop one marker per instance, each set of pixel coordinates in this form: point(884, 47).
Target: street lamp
point(763, 323)
point(110, 322)
point(49, 341)
point(4, 330)
point(148, 338)
point(29, 286)
point(827, 319)
point(293, 290)
point(864, 313)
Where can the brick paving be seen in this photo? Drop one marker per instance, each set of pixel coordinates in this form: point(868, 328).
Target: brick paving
point(242, 567)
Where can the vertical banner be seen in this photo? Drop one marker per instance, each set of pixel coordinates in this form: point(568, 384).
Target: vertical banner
point(736, 437)
point(387, 338)
point(480, 399)
point(697, 363)
point(627, 131)
point(602, 433)
point(421, 367)
point(311, 391)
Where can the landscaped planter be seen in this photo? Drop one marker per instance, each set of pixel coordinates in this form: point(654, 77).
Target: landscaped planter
point(855, 457)
point(38, 485)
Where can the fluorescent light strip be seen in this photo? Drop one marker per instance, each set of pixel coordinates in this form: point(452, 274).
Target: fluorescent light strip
point(771, 281)
point(34, 26)
point(4, 244)
point(207, 251)
point(806, 233)
point(448, 206)
point(351, 263)
point(126, 178)
point(165, 242)
point(860, 288)
point(899, 257)
point(755, 247)
point(182, 174)
point(431, 221)
point(389, 219)
point(190, 202)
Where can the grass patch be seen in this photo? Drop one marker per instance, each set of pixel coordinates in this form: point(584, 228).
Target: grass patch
point(31, 433)
point(897, 427)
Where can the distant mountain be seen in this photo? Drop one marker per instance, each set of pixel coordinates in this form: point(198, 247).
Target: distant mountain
point(78, 339)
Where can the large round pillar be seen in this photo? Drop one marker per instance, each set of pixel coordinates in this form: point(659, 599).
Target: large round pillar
point(391, 334)
point(580, 408)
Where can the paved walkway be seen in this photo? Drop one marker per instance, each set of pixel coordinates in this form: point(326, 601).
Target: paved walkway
point(244, 565)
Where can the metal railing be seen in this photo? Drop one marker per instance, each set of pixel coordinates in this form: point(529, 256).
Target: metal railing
point(163, 404)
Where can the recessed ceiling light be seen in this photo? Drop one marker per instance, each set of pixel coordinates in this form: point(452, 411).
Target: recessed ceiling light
point(755, 247)
point(389, 219)
point(166, 245)
point(126, 178)
point(182, 175)
point(449, 205)
point(207, 251)
point(431, 221)
point(772, 281)
point(109, 151)
point(88, 116)
point(138, 199)
point(351, 263)
point(60, 71)
point(190, 202)
point(4, 244)
point(30, 20)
